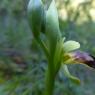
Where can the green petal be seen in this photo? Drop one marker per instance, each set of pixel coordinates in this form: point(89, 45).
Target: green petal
point(70, 46)
point(67, 74)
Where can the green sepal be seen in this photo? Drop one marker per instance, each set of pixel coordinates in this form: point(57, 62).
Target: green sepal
point(36, 17)
point(67, 74)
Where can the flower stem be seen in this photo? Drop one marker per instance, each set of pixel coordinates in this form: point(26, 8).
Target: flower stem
point(50, 80)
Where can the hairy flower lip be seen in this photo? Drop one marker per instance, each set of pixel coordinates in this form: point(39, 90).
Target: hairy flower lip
point(83, 57)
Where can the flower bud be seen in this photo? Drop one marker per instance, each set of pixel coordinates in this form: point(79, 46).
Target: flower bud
point(36, 17)
point(52, 26)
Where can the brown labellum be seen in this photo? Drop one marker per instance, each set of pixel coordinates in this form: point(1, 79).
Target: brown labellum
point(85, 58)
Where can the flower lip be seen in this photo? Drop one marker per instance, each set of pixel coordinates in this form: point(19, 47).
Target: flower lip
point(85, 58)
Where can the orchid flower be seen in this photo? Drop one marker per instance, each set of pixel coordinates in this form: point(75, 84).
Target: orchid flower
point(59, 53)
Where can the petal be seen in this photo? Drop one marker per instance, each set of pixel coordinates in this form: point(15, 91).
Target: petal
point(70, 46)
point(67, 74)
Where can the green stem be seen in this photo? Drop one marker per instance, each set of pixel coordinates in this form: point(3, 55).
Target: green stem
point(50, 79)
point(50, 74)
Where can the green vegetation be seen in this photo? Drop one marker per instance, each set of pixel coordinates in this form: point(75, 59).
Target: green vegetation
point(22, 60)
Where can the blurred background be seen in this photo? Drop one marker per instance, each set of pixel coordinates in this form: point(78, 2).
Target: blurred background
point(22, 63)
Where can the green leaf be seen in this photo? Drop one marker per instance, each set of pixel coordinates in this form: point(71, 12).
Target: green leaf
point(70, 46)
point(67, 74)
point(36, 16)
